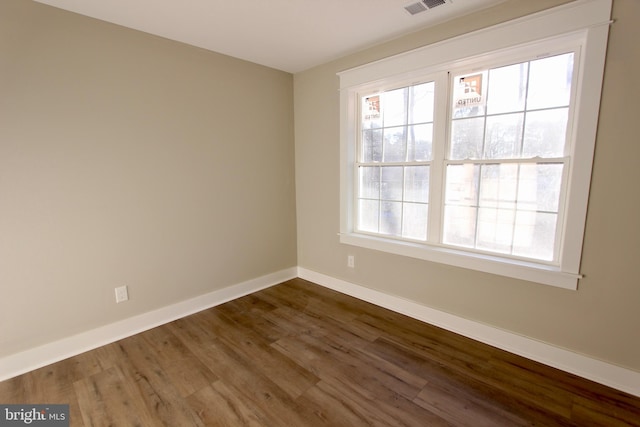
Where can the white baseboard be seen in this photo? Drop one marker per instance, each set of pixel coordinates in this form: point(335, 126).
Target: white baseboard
point(28, 360)
point(596, 370)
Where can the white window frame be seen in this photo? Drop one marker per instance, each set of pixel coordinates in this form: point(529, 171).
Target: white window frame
point(582, 22)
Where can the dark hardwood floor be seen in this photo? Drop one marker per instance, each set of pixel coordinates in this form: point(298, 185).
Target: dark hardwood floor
point(298, 354)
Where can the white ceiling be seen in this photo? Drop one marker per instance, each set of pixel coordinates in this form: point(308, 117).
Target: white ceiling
point(289, 35)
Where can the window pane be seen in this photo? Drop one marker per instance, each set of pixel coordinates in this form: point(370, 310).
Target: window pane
point(545, 133)
point(391, 218)
point(462, 185)
point(370, 182)
point(498, 186)
point(419, 142)
point(534, 235)
point(368, 214)
point(394, 107)
point(539, 187)
point(503, 136)
point(391, 183)
point(550, 82)
point(414, 221)
point(395, 144)
point(459, 225)
point(466, 138)
point(507, 89)
point(421, 103)
point(372, 145)
point(495, 229)
point(416, 184)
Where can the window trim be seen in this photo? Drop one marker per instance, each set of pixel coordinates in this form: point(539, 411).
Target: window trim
point(584, 20)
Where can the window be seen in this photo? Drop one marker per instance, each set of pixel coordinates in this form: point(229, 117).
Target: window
point(394, 161)
point(477, 151)
point(507, 153)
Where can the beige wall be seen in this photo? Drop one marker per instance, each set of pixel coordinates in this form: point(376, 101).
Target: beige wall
point(602, 318)
point(129, 159)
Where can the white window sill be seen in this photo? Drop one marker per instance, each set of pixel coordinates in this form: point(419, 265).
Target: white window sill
point(538, 273)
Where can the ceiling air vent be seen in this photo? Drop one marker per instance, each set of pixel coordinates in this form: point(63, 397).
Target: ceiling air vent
point(423, 5)
point(433, 3)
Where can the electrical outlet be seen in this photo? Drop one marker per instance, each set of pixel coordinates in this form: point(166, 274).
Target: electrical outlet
point(351, 261)
point(122, 294)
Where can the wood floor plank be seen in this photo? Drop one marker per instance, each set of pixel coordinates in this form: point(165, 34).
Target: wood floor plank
point(50, 385)
point(192, 331)
point(427, 339)
point(530, 387)
point(218, 405)
point(184, 370)
point(594, 412)
point(581, 389)
point(333, 403)
point(254, 315)
point(253, 386)
point(291, 377)
point(466, 388)
point(298, 354)
point(473, 360)
point(449, 405)
point(105, 399)
point(152, 384)
point(330, 361)
point(245, 304)
point(288, 296)
point(293, 322)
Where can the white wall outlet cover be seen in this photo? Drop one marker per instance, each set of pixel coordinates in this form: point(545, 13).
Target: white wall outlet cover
point(122, 294)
